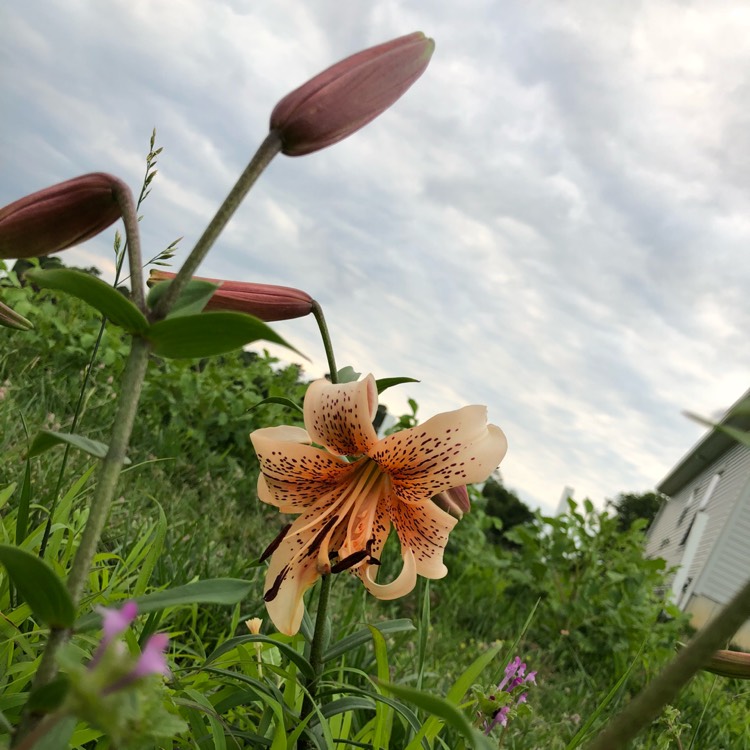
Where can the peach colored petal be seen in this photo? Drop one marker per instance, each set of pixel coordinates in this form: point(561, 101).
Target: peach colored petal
point(295, 475)
point(450, 449)
point(296, 565)
point(400, 586)
point(424, 529)
point(340, 416)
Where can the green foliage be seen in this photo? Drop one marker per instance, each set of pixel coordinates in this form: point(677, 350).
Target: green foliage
point(506, 506)
point(598, 593)
point(631, 506)
point(188, 513)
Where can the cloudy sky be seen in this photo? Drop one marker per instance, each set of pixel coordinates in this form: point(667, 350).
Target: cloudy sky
point(554, 221)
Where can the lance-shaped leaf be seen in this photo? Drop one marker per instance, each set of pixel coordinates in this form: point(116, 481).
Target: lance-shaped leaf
point(40, 587)
point(192, 299)
point(209, 334)
point(227, 591)
point(46, 439)
point(101, 296)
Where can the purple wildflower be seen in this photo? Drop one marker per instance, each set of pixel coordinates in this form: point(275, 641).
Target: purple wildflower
point(117, 621)
point(114, 623)
point(515, 676)
point(151, 661)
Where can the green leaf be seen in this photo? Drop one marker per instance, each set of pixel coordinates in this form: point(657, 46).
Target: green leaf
point(440, 708)
point(191, 301)
point(583, 731)
point(155, 547)
point(458, 690)
point(384, 383)
point(58, 735)
point(22, 519)
point(225, 591)
point(40, 587)
point(347, 374)
point(349, 703)
point(7, 493)
point(363, 636)
point(46, 439)
point(739, 435)
point(100, 295)
point(47, 698)
point(208, 334)
point(285, 648)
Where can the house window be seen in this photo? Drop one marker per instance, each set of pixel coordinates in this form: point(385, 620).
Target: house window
point(712, 485)
point(688, 504)
point(687, 532)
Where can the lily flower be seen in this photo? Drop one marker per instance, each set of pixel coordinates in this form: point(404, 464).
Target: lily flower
point(350, 491)
point(268, 302)
point(345, 97)
point(59, 216)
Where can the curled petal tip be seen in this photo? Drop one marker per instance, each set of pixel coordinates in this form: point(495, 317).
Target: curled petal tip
point(345, 97)
point(59, 217)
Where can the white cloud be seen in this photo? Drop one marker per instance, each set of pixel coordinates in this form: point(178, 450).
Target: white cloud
point(552, 221)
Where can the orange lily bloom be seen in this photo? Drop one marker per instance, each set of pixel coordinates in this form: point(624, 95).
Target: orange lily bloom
point(350, 491)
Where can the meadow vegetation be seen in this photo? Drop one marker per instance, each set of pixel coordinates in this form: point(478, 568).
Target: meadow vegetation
point(573, 594)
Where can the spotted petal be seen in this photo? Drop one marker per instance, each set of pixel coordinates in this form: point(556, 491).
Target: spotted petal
point(299, 560)
point(294, 474)
point(340, 416)
point(451, 449)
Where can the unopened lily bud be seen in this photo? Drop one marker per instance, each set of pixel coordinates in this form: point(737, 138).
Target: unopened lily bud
point(58, 217)
point(253, 625)
point(11, 319)
point(345, 97)
point(454, 501)
point(265, 301)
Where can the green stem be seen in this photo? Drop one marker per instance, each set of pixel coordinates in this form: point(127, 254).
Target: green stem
point(43, 728)
point(317, 311)
point(317, 645)
point(130, 218)
point(321, 616)
point(263, 156)
point(663, 689)
point(109, 473)
point(66, 452)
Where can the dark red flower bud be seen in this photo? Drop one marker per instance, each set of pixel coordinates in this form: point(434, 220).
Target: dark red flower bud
point(265, 301)
point(346, 96)
point(58, 217)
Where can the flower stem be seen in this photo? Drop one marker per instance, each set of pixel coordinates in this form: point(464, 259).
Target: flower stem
point(109, 473)
point(263, 156)
point(663, 689)
point(317, 645)
point(130, 218)
point(321, 616)
point(317, 311)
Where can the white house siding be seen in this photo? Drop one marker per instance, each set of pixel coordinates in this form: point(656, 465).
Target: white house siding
point(666, 534)
point(728, 567)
